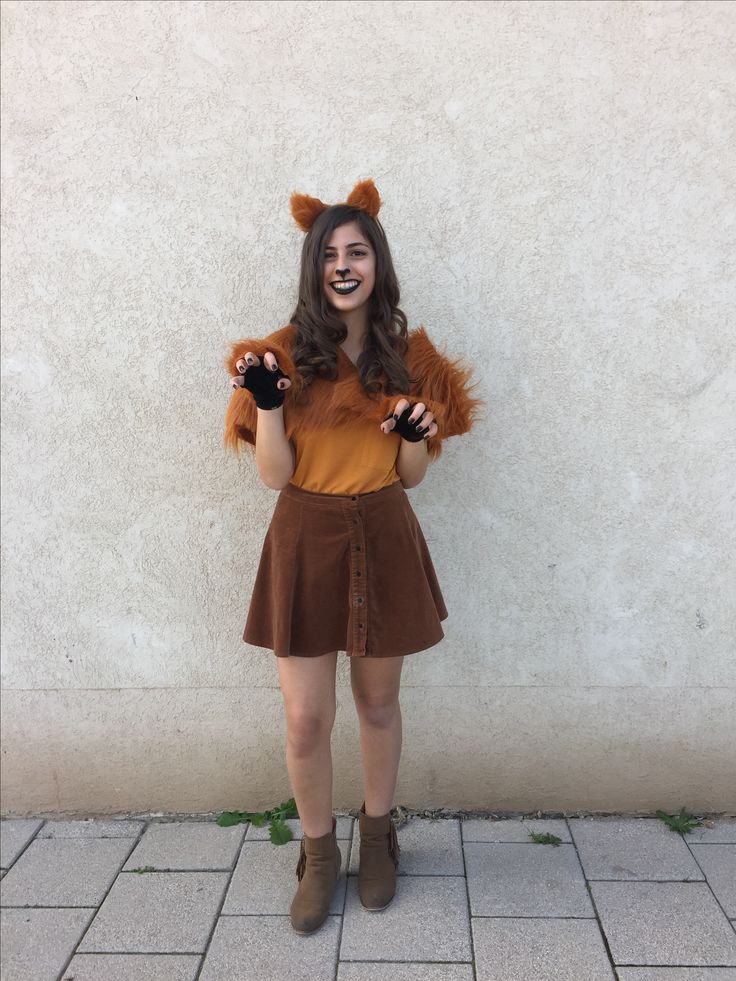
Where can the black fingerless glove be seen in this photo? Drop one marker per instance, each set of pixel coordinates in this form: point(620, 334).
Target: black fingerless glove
point(261, 383)
point(407, 430)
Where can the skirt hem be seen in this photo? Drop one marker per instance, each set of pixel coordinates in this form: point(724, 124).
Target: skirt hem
point(342, 650)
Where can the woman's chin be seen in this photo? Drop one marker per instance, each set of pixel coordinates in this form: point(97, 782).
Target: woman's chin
point(343, 305)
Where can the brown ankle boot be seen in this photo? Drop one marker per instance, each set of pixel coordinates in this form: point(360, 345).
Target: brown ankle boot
point(379, 859)
point(318, 870)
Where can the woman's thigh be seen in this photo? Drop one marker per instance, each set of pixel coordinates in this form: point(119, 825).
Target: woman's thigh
point(308, 687)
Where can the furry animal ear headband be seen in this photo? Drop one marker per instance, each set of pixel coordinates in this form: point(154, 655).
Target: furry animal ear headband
point(306, 209)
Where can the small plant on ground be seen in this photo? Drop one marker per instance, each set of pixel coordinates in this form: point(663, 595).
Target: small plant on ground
point(279, 832)
point(544, 838)
point(682, 822)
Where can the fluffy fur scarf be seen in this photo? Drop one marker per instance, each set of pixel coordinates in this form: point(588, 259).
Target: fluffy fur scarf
point(443, 386)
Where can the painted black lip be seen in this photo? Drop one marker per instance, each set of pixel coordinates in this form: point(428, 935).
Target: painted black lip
point(343, 292)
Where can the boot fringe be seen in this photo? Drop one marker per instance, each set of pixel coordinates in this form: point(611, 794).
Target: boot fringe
point(301, 865)
point(393, 844)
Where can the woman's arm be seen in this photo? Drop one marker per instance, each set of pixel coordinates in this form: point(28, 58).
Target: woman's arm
point(274, 453)
point(256, 418)
point(412, 462)
point(262, 431)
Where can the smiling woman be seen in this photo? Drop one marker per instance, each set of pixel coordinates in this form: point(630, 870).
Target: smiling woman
point(345, 407)
point(350, 270)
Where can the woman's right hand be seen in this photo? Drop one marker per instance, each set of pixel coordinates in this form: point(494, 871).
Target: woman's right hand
point(264, 379)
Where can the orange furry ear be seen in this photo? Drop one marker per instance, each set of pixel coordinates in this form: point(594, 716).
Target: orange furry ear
point(365, 195)
point(306, 209)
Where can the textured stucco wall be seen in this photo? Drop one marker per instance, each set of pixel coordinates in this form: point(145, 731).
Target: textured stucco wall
point(558, 182)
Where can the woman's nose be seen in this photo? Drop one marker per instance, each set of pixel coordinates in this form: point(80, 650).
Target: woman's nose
point(343, 272)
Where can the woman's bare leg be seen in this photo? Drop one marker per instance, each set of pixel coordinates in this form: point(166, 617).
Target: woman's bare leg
point(308, 689)
point(375, 683)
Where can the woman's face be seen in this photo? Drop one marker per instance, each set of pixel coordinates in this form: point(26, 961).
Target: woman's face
point(349, 259)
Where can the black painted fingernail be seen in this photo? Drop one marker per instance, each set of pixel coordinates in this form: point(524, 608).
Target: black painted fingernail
point(396, 416)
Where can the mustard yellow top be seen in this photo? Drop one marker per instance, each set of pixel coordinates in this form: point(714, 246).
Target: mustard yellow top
point(354, 459)
point(351, 459)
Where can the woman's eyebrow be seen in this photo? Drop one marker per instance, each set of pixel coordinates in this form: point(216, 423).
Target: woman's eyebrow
point(348, 246)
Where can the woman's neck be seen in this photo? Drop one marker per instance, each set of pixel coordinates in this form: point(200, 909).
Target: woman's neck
point(356, 322)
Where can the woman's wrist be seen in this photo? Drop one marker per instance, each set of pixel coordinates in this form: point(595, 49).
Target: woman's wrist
point(412, 462)
point(414, 450)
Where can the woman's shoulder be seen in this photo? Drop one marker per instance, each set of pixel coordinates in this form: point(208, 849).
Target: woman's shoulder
point(422, 350)
point(433, 363)
point(445, 384)
point(283, 335)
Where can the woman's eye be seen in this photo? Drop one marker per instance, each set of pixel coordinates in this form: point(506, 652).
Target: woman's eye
point(355, 252)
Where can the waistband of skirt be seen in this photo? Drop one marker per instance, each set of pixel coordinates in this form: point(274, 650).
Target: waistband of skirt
point(396, 489)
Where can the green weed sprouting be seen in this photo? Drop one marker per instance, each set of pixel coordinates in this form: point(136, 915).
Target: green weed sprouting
point(683, 822)
point(279, 832)
point(544, 838)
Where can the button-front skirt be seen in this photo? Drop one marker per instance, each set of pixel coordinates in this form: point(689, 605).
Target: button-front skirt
point(346, 573)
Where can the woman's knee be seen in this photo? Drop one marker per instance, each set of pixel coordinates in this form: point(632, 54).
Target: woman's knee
point(306, 730)
point(308, 690)
point(377, 709)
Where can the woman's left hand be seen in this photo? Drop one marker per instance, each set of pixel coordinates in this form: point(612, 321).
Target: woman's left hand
point(411, 421)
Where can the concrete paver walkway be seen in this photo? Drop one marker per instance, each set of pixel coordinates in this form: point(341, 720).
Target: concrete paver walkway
point(476, 900)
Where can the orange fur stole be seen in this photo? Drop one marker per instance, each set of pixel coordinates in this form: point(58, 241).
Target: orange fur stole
point(443, 386)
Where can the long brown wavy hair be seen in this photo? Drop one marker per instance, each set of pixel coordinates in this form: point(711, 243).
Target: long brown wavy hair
point(319, 328)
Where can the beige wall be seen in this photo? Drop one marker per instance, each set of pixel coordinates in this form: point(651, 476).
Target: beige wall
point(558, 182)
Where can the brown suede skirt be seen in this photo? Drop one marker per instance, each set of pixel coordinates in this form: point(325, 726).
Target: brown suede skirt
point(346, 573)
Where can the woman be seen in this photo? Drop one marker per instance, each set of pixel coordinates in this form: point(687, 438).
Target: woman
point(348, 408)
